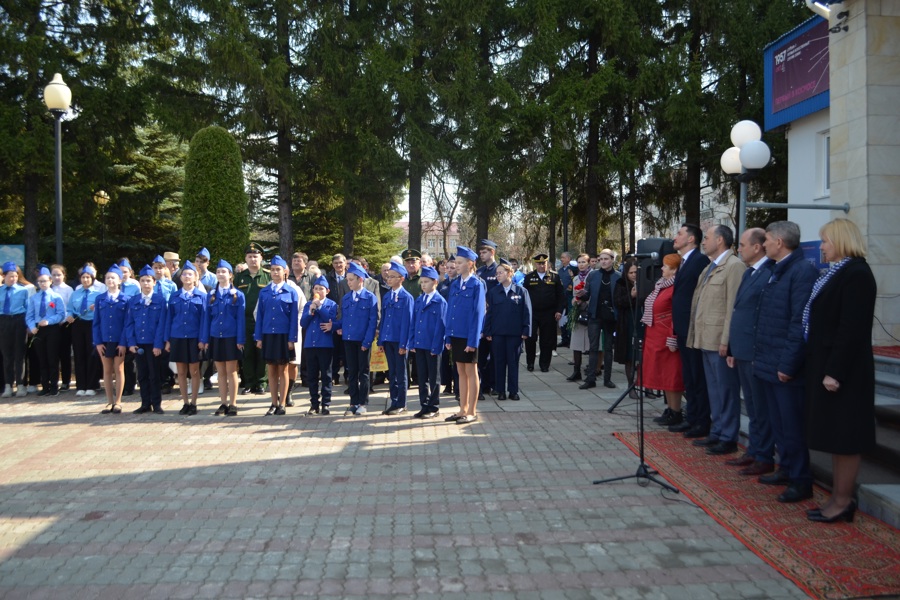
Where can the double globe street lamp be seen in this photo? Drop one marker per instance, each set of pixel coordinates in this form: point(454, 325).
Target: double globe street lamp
point(744, 160)
point(58, 98)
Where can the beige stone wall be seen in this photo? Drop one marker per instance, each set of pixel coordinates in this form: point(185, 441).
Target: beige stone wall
point(865, 141)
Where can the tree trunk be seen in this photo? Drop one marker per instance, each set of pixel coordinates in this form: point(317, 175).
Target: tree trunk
point(551, 236)
point(415, 200)
point(31, 233)
point(285, 207)
point(348, 228)
point(592, 190)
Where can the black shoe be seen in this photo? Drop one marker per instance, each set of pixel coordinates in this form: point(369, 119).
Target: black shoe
point(587, 385)
point(448, 390)
point(501, 396)
point(64, 387)
point(259, 390)
point(223, 408)
point(675, 418)
point(576, 376)
point(347, 390)
point(280, 410)
point(609, 384)
point(681, 427)
point(420, 414)
point(185, 409)
point(543, 370)
point(779, 477)
point(707, 442)
point(696, 433)
point(192, 410)
point(663, 417)
point(530, 368)
point(232, 411)
point(325, 411)
point(844, 515)
point(514, 397)
point(431, 414)
point(141, 410)
point(127, 393)
point(289, 403)
point(796, 492)
point(722, 448)
point(395, 410)
point(43, 393)
point(245, 391)
point(159, 411)
point(207, 384)
point(271, 410)
point(481, 396)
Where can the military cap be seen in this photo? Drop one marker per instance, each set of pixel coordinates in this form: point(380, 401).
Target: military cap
point(487, 244)
point(410, 253)
point(253, 248)
point(540, 258)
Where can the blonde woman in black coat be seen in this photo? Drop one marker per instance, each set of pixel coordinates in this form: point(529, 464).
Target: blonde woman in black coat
point(840, 370)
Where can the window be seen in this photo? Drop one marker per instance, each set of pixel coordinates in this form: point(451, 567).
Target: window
point(431, 243)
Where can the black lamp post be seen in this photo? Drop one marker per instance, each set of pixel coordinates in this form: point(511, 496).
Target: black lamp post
point(102, 199)
point(58, 97)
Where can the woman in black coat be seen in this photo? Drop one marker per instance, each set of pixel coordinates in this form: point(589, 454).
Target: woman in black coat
point(840, 369)
point(625, 299)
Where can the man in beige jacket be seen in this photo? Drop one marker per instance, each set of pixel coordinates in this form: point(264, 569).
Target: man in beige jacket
point(711, 310)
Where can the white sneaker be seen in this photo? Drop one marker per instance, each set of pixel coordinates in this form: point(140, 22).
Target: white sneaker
point(200, 391)
point(90, 393)
point(214, 379)
point(361, 410)
point(79, 393)
point(7, 392)
point(23, 391)
point(31, 389)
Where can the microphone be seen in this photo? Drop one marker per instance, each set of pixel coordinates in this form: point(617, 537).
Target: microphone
point(653, 255)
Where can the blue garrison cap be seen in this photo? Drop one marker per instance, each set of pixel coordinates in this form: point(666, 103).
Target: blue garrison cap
point(8, 267)
point(224, 264)
point(399, 269)
point(322, 281)
point(159, 259)
point(115, 269)
point(44, 271)
point(88, 269)
point(188, 267)
point(277, 261)
point(147, 271)
point(204, 253)
point(429, 272)
point(466, 253)
point(487, 244)
point(124, 263)
point(357, 270)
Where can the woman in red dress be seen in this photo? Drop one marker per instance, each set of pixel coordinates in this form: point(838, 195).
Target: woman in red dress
point(662, 362)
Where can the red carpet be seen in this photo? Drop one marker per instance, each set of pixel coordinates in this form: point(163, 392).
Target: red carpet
point(889, 351)
point(856, 560)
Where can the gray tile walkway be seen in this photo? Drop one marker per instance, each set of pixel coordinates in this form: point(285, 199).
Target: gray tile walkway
point(100, 506)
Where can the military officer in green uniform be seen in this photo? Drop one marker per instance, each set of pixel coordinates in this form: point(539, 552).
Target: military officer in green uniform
point(548, 300)
point(412, 260)
point(250, 281)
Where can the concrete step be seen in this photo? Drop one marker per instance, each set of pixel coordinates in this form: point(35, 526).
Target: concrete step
point(887, 384)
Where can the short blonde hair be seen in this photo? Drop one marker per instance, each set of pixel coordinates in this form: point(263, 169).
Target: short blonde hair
point(612, 254)
point(845, 236)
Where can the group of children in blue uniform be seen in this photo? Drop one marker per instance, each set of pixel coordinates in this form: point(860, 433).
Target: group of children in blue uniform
point(156, 322)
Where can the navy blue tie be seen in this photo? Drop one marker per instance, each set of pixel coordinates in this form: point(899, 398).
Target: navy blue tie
point(6, 306)
point(84, 301)
point(43, 304)
point(747, 274)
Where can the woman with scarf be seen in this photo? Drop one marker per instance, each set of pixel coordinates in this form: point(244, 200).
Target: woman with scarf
point(661, 368)
point(579, 342)
point(840, 370)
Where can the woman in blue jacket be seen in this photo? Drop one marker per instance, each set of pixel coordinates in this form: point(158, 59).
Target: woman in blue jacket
point(80, 316)
point(108, 329)
point(463, 327)
point(277, 328)
point(506, 325)
point(318, 345)
point(46, 310)
point(223, 334)
point(186, 315)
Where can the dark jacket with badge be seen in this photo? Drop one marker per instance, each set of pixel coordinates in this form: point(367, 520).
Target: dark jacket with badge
point(508, 313)
point(547, 295)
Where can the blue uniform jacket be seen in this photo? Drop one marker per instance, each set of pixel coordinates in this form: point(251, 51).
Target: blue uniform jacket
point(465, 311)
point(109, 320)
point(18, 299)
point(313, 336)
point(277, 312)
point(185, 318)
point(488, 274)
point(225, 316)
point(146, 324)
point(55, 312)
point(166, 287)
point(508, 315)
point(359, 319)
point(742, 338)
point(779, 332)
point(396, 318)
point(131, 288)
point(427, 331)
point(73, 309)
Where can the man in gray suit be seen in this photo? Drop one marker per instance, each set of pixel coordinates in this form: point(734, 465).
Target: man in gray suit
point(759, 458)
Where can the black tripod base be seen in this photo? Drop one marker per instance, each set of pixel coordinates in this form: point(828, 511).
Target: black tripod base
point(643, 472)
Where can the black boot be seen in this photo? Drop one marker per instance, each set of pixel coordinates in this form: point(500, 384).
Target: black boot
point(576, 370)
point(289, 401)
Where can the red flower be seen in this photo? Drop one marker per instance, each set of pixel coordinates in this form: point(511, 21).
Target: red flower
point(52, 305)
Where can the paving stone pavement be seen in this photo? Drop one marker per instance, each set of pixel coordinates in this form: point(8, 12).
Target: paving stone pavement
point(164, 506)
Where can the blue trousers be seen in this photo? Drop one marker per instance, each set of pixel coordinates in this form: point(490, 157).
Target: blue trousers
point(148, 370)
point(397, 375)
point(318, 367)
point(506, 350)
point(427, 365)
point(357, 362)
point(724, 390)
point(762, 444)
point(785, 405)
point(697, 410)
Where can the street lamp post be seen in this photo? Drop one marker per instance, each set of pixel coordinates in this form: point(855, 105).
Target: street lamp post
point(58, 97)
point(743, 160)
point(102, 199)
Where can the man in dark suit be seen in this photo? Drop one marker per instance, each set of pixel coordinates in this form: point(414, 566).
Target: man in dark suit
point(693, 262)
point(337, 289)
point(759, 457)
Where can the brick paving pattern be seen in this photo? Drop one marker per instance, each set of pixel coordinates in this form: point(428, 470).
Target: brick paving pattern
point(126, 506)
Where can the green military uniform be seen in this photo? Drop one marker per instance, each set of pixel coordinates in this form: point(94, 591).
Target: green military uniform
point(253, 366)
point(411, 281)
